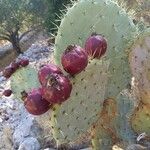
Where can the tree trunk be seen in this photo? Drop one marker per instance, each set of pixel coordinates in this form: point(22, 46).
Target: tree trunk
point(15, 43)
point(16, 47)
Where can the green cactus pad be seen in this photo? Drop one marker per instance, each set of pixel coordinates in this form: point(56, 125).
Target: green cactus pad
point(141, 119)
point(102, 140)
point(80, 111)
point(114, 123)
point(103, 17)
point(140, 65)
point(125, 107)
point(103, 133)
point(24, 79)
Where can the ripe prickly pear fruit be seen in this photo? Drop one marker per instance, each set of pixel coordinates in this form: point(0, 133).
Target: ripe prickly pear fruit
point(35, 104)
point(74, 59)
point(24, 62)
point(7, 93)
point(46, 70)
point(15, 65)
point(96, 45)
point(57, 89)
point(8, 71)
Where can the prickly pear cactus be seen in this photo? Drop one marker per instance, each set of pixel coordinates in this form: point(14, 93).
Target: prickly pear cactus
point(140, 65)
point(95, 16)
point(80, 111)
point(103, 132)
point(22, 80)
point(114, 123)
point(125, 108)
point(140, 120)
point(102, 139)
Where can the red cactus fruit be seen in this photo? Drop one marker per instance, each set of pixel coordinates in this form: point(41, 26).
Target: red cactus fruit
point(74, 59)
point(45, 72)
point(96, 46)
point(24, 62)
point(35, 104)
point(7, 93)
point(15, 65)
point(57, 89)
point(8, 71)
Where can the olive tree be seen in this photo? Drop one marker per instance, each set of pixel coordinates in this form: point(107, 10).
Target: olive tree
point(19, 17)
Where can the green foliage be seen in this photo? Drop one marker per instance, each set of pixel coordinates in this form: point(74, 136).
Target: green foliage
point(54, 10)
point(20, 16)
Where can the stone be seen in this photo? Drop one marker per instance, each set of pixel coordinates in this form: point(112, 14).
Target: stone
point(30, 144)
point(136, 147)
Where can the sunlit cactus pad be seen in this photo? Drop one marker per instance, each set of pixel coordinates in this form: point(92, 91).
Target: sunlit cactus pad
point(114, 124)
point(24, 79)
point(141, 119)
point(80, 111)
point(140, 65)
point(103, 17)
point(125, 107)
point(103, 133)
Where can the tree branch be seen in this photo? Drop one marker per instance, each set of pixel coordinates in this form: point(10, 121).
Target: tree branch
point(17, 28)
point(3, 37)
point(4, 33)
point(25, 33)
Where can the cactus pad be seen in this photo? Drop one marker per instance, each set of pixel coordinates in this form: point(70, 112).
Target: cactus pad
point(103, 133)
point(140, 65)
point(141, 119)
point(95, 16)
point(102, 140)
point(24, 79)
point(114, 125)
point(125, 107)
point(76, 115)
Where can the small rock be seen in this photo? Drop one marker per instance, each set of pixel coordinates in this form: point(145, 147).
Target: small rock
point(49, 149)
point(23, 130)
point(30, 144)
point(136, 147)
point(86, 149)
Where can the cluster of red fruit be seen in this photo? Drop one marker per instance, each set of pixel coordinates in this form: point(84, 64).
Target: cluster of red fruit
point(55, 89)
point(12, 68)
point(55, 86)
